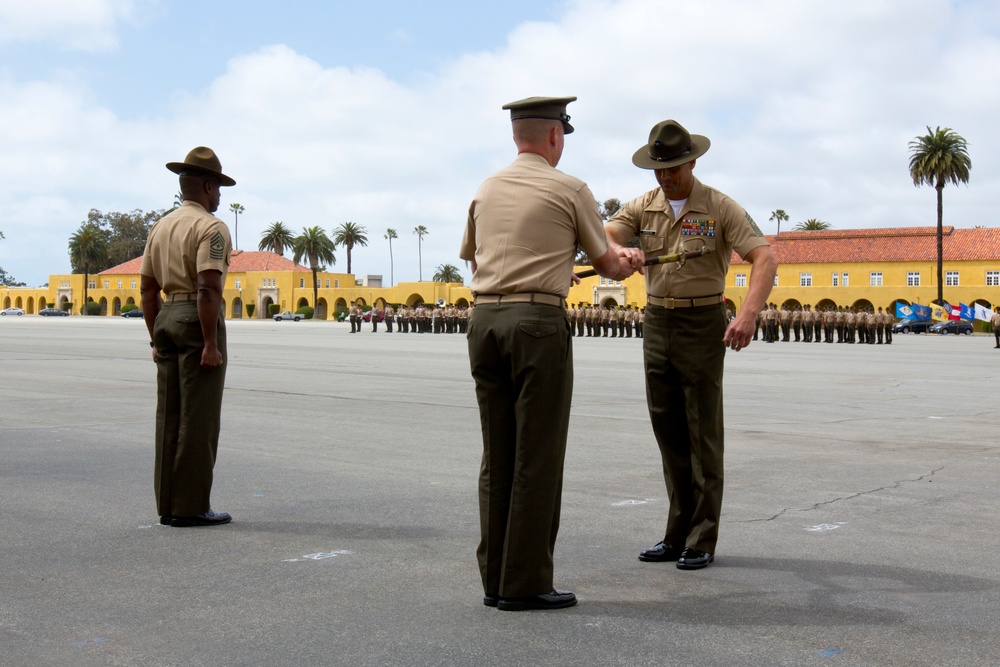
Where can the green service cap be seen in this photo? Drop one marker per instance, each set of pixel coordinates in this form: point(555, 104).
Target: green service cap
point(550, 108)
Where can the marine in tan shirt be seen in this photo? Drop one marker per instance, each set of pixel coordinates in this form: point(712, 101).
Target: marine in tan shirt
point(524, 226)
point(187, 258)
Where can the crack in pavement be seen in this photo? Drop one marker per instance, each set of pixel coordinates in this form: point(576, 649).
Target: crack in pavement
point(850, 497)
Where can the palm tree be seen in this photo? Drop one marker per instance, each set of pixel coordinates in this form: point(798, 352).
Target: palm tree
point(779, 216)
point(447, 273)
point(178, 201)
point(348, 235)
point(276, 238)
point(936, 158)
point(314, 244)
point(811, 225)
point(236, 208)
point(420, 231)
point(390, 234)
point(87, 246)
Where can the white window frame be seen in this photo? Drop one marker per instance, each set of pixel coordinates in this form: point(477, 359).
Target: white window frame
point(805, 279)
point(993, 278)
point(913, 279)
point(846, 280)
point(835, 279)
point(741, 280)
point(951, 278)
point(875, 279)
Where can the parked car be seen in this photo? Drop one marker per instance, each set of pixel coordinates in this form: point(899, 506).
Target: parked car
point(912, 326)
point(135, 312)
point(12, 311)
point(952, 327)
point(53, 312)
point(287, 315)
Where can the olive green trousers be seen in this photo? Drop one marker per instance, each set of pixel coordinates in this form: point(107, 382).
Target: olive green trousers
point(188, 411)
point(521, 358)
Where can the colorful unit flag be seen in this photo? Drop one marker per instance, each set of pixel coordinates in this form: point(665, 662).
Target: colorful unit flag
point(904, 312)
point(921, 312)
point(983, 313)
point(940, 313)
point(966, 312)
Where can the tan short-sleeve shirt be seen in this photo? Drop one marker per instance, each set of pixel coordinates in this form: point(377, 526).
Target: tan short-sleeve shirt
point(709, 218)
point(182, 244)
point(524, 225)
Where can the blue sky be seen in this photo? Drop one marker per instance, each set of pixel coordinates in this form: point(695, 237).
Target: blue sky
point(387, 114)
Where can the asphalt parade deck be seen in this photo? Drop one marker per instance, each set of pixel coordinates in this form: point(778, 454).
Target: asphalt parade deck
point(860, 520)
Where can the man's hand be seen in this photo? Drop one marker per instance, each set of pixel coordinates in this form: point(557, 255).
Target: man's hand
point(210, 357)
point(739, 333)
point(634, 257)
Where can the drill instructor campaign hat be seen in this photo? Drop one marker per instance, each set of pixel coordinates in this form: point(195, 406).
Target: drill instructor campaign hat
point(202, 159)
point(670, 145)
point(549, 108)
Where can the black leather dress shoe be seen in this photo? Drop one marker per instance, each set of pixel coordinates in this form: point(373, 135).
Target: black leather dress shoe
point(554, 600)
point(692, 559)
point(491, 600)
point(661, 553)
point(209, 518)
point(165, 520)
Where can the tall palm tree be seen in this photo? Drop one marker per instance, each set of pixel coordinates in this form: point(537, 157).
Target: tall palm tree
point(316, 246)
point(178, 201)
point(349, 235)
point(390, 234)
point(936, 158)
point(811, 225)
point(276, 238)
point(236, 208)
point(420, 231)
point(447, 273)
point(88, 246)
point(779, 216)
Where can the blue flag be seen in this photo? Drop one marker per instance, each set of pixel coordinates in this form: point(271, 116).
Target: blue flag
point(967, 312)
point(921, 312)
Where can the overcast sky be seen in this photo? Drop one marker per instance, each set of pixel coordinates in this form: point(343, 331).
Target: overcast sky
point(387, 113)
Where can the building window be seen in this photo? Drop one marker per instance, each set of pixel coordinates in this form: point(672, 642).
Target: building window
point(993, 278)
point(319, 283)
point(302, 282)
point(133, 284)
point(775, 280)
point(875, 279)
point(835, 279)
point(951, 278)
point(119, 284)
point(913, 279)
point(805, 280)
point(91, 284)
point(741, 280)
point(238, 286)
point(107, 284)
point(847, 281)
point(336, 284)
point(328, 283)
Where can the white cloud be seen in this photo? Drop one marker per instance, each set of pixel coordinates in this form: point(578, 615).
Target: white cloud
point(83, 25)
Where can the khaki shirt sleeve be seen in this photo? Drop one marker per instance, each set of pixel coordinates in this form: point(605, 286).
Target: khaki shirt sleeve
point(590, 229)
point(214, 248)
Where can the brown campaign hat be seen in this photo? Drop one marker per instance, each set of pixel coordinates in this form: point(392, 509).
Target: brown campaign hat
point(202, 159)
point(670, 145)
point(549, 108)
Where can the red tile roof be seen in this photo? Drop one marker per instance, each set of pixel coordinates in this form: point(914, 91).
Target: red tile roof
point(241, 261)
point(896, 244)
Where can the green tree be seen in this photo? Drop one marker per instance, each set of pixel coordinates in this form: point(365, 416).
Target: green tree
point(125, 234)
point(88, 246)
point(349, 235)
point(936, 158)
point(236, 208)
point(447, 273)
point(421, 232)
point(779, 216)
point(178, 201)
point(811, 225)
point(390, 234)
point(316, 246)
point(608, 208)
point(276, 238)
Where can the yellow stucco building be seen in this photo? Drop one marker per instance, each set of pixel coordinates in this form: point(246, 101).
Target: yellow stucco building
point(861, 267)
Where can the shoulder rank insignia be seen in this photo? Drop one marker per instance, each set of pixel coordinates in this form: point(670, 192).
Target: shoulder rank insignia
point(217, 247)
